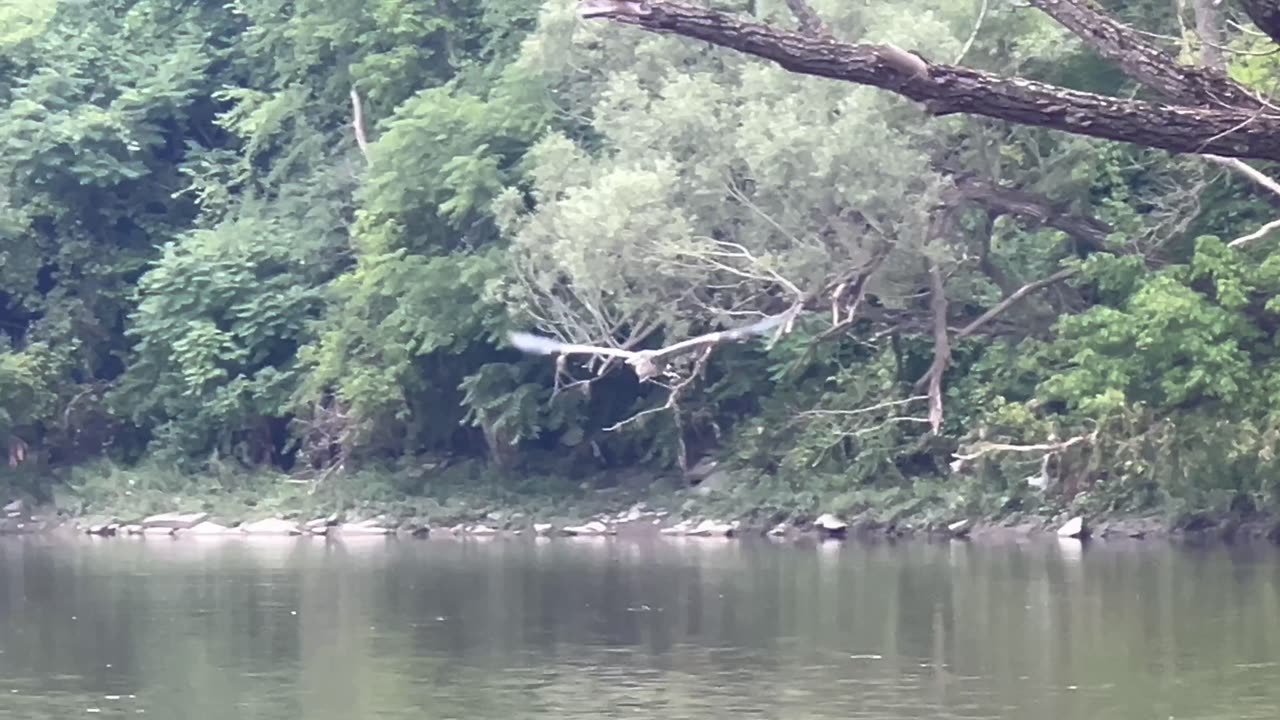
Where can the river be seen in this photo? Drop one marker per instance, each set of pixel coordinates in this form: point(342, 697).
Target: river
point(213, 629)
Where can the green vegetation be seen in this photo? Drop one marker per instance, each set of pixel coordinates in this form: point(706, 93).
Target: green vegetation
point(264, 255)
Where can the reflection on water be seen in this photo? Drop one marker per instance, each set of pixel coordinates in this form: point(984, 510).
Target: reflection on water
point(206, 628)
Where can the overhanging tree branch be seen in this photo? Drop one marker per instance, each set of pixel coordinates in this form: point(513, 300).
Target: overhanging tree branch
point(1247, 132)
point(1146, 63)
point(1265, 14)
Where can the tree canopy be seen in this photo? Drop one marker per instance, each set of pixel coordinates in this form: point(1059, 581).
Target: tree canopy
point(1009, 241)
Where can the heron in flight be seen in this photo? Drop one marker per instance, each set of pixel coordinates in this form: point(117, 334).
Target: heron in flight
point(647, 363)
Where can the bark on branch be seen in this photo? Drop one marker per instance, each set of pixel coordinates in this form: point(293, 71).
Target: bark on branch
point(1090, 232)
point(1146, 63)
point(1265, 14)
point(946, 89)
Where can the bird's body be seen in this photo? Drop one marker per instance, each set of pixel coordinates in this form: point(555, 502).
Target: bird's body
point(646, 363)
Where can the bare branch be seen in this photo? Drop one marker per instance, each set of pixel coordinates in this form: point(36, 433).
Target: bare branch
point(984, 448)
point(1209, 28)
point(864, 410)
point(807, 17)
point(1011, 300)
point(941, 345)
point(977, 26)
point(1256, 234)
point(357, 124)
point(1247, 170)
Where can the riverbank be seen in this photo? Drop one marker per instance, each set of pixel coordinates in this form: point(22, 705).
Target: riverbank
point(469, 499)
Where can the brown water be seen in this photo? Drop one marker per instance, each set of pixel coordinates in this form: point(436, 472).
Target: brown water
point(205, 629)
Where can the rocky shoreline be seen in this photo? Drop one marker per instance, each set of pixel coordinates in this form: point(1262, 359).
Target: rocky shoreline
point(639, 520)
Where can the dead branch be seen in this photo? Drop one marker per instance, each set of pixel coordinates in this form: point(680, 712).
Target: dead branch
point(973, 35)
point(1209, 27)
point(941, 345)
point(1247, 170)
point(857, 292)
point(863, 410)
point(1013, 298)
point(357, 124)
point(984, 448)
point(674, 395)
point(1256, 234)
point(17, 451)
point(810, 23)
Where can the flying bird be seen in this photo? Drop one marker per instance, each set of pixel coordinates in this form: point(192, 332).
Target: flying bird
point(647, 363)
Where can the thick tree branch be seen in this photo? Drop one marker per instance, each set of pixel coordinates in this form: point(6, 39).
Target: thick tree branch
point(1265, 14)
point(1144, 62)
point(1089, 232)
point(946, 89)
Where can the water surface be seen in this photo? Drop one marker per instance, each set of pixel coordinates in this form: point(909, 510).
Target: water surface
point(215, 628)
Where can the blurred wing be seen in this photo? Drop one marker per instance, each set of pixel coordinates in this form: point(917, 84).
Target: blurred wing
point(540, 345)
point(759, 327)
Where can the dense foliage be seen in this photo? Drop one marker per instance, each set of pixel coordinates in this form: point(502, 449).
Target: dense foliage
point(294, 235)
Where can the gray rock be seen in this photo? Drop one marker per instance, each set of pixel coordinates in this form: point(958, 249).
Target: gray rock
point(595, 527)
point(1074, 528)
point(174, 520)
point(714, 528)
point(959, 528)
point(681, 528)
point(830, 524)
point(365, 527)
point(543, 528)
point(206, 528)
point(271, 526)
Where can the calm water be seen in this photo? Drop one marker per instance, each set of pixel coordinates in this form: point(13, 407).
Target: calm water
point(209, 629)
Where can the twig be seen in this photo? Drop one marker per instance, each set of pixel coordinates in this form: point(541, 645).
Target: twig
point(977, 25)
point(864, 410)
point(810, 23)
point(673, 397)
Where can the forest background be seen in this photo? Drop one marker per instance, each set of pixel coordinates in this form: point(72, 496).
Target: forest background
point(264, 254)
